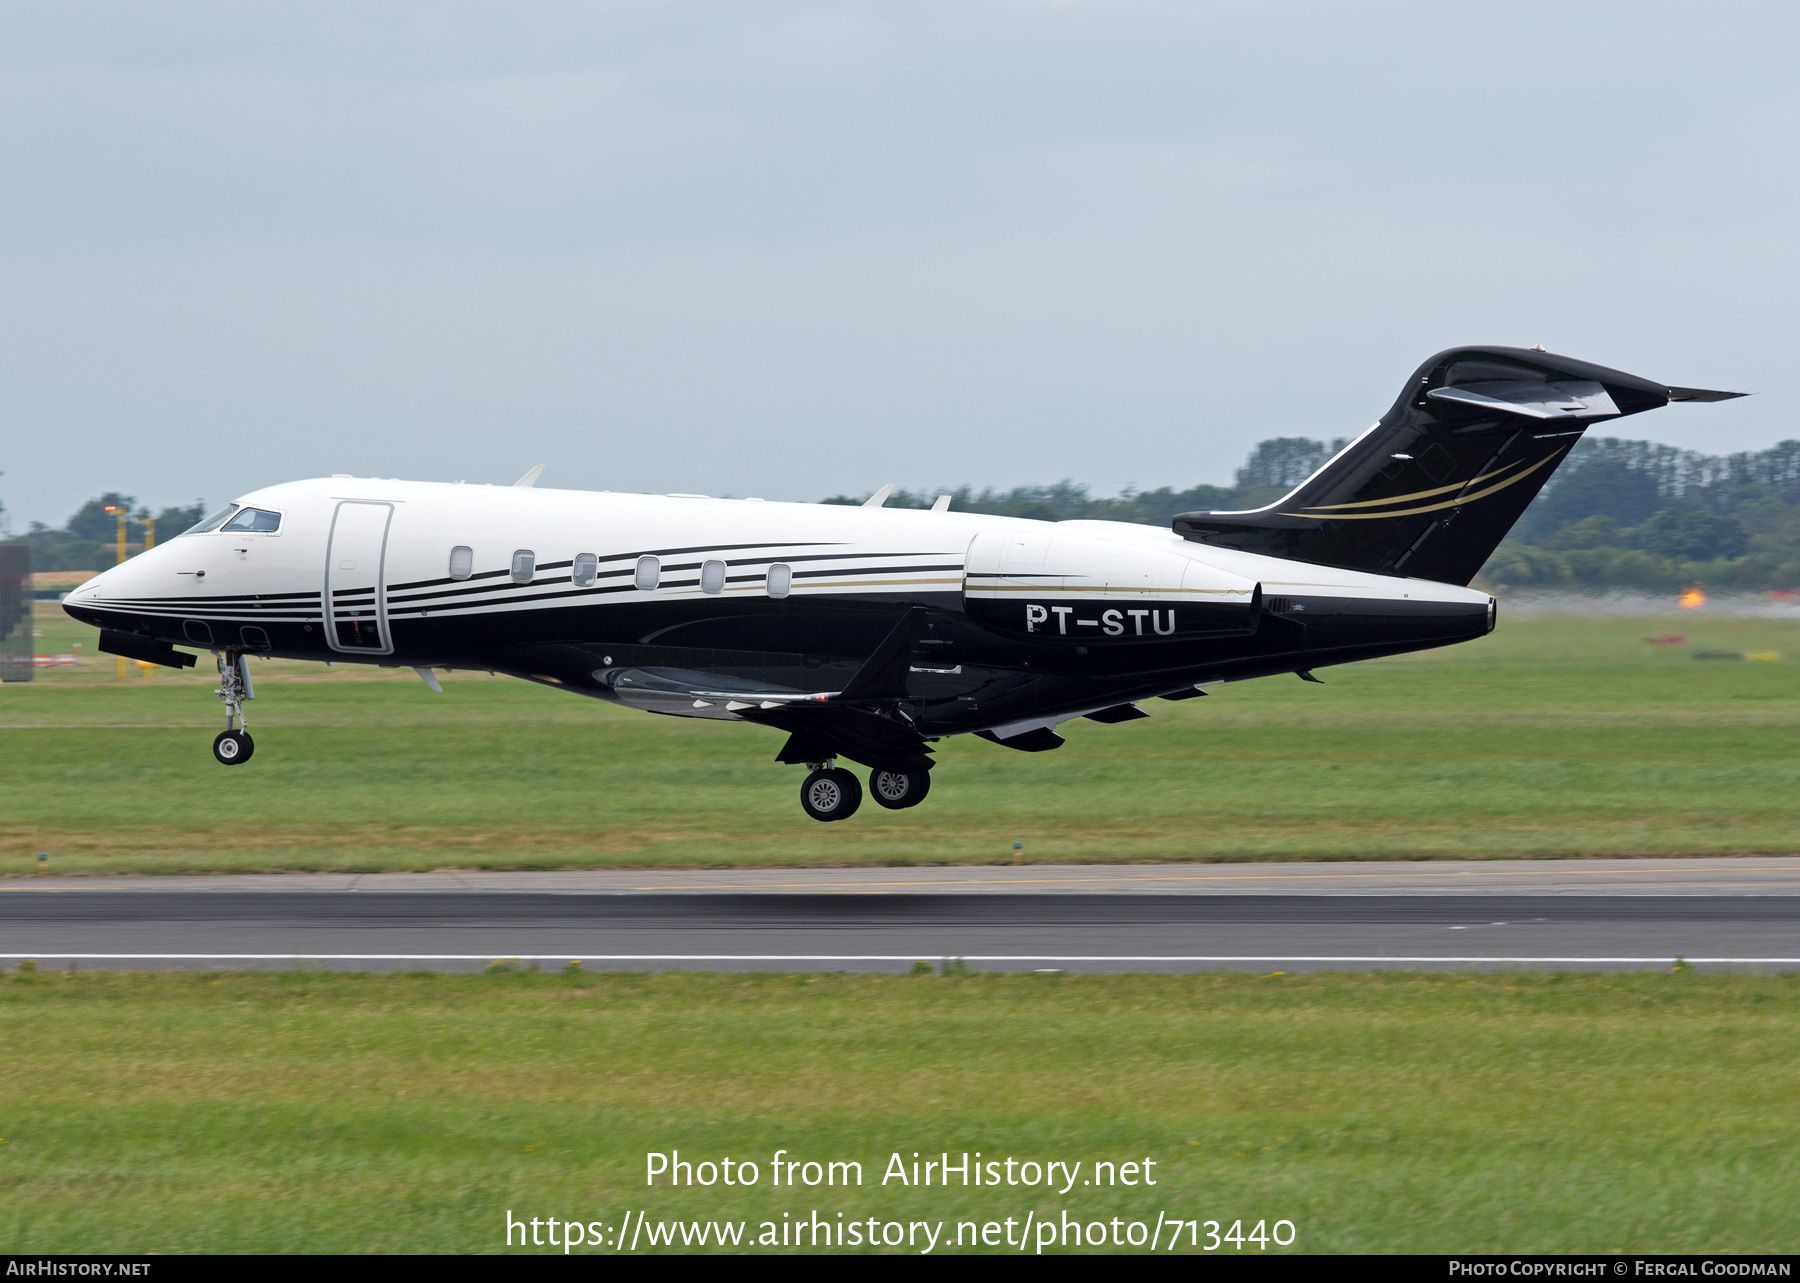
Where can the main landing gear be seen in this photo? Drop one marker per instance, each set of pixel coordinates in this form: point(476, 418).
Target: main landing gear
point(832, 793)
point(898, 790)
point(234, 746)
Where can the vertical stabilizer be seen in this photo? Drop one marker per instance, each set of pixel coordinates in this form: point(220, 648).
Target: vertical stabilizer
point(1431, 489)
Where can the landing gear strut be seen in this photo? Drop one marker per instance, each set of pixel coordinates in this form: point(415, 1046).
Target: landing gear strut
point(830, 793)
point(234, 745)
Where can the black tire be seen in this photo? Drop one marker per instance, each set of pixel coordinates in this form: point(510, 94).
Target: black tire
point(831, 795)
point(897, 790)
point(233, 748)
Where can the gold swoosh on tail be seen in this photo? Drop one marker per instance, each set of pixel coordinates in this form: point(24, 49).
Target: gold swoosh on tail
point(1432, 507)
point(1409, 498)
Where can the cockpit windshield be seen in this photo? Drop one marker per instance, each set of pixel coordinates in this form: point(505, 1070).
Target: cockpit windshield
point(213, 522)
point(258, 521)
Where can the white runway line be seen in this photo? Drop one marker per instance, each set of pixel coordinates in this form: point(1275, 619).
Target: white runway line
point(851, 957)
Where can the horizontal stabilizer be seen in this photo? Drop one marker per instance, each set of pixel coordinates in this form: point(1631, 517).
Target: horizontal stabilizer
point(1535, 400)
point(1703, 394)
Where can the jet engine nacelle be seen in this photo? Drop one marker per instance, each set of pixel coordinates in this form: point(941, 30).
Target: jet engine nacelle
point(1076, 588)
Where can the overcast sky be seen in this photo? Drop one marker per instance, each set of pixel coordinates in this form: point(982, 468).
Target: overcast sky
point(795, 249)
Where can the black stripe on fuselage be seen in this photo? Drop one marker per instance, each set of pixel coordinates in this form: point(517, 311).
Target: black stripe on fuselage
point(247, 598)
point(417, 606)
point(516, 595)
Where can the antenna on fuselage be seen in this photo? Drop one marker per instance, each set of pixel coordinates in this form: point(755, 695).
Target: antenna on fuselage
point(880, 497)
point(530, 478)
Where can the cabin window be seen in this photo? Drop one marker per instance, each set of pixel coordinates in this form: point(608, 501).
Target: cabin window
point(712, 577)
point(462, 562)
point(587, 569)
point(781, 580)
point(213, 522)
point(255, 521)
point(524, 566)
point(649, 573)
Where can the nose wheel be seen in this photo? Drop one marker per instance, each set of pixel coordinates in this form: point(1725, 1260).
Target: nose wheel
point(831, 793)
point(233, 745)
point(233, 748)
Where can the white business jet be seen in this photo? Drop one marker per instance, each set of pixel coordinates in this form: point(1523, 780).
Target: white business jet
point(867, 634)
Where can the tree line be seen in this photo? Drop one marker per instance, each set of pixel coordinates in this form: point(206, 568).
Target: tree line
point(90, 539)
point(1617, 514)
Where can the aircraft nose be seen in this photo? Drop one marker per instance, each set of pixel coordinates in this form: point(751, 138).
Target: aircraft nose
point(79, 601)
point(107, 599)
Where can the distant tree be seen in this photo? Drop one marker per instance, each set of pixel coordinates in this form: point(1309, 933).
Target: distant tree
point(1597, 488)
point(1522, 566)
point(1590, 532)
point(1282, 463)
point(1069, 501)
point(55, 550)
point(93, 521)
point(172, 521)
point(1691, 536)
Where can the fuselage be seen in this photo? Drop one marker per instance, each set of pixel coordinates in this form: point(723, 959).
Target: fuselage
point(725, 608)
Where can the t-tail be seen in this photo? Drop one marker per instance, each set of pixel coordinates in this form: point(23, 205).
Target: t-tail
point(1431, 490)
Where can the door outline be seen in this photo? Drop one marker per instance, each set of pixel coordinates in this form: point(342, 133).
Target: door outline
point(332, 615)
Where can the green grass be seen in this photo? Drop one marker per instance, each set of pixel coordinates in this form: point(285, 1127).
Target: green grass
point(1554, 737)
point(1417, 1113)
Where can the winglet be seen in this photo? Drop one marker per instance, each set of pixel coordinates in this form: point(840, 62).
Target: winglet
point(880, 497)
point(530, 478)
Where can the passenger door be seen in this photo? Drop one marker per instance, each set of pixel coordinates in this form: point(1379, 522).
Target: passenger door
point(355, 583)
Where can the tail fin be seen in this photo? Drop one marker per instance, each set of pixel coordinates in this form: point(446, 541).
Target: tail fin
point(1431, 489)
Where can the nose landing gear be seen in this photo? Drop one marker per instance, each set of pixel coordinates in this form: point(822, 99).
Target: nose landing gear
point(233, 746)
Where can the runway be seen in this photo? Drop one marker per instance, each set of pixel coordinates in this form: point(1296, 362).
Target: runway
point(849, 925)
point(1715, 875)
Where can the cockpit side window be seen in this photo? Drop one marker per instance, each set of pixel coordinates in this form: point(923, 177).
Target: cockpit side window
point(213, 522)
point(256, 521)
